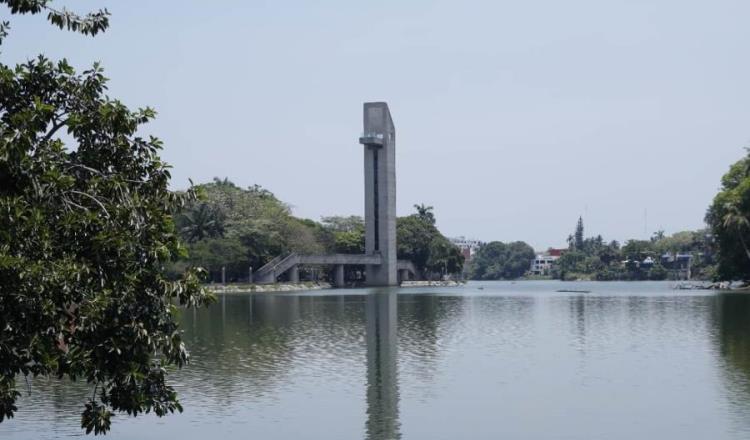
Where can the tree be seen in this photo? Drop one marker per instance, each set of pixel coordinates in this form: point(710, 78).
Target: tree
point(213, 254)
point(578, 236)
point(727, 218)
point(413, 237)
point(445, 257)
point(201, 221)
point(735, 220)
point(343, 224)
point(420, 241)
point(610, 253)
point(571, 262)
point(638, 250)
point(255, 220)
point(425, 213)
point(497, 260)
point(84, 233)
point(85, 230)
point(89, 24)
point(348, 233)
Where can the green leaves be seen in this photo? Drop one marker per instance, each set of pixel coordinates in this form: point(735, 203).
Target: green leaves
point(89, 24)
point(85, 230)
point(729, 220)
point(420, 241)
point(8, 393)
point(96, 418)
point(497, 260)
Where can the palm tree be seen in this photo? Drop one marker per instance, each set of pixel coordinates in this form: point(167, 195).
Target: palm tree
point(425, 213)
point(734, 219)
point(658, 235)
point(202, 222)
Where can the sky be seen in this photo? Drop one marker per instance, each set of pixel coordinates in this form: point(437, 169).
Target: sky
point(512, 118)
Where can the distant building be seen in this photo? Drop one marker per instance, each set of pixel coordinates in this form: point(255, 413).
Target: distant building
point(541, 265)
point(648, 263)
point(679, 264)
point(469, 247)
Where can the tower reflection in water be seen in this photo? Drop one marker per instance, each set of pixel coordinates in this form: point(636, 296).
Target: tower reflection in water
point(381, 311)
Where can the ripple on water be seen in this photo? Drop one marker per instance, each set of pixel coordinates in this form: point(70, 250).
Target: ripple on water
point(457, 361)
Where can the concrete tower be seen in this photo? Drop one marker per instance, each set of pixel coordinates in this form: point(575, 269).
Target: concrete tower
point(379, 139)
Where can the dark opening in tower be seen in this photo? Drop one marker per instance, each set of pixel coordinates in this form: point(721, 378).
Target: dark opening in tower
point(376, 197)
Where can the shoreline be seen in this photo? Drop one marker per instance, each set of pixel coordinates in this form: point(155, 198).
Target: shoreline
point(261, 288)
point(244, 288)
point(296, 287)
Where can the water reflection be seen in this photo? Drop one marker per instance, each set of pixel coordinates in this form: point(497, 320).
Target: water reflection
point(449, 364)
point(382, 366)
point(732, 322)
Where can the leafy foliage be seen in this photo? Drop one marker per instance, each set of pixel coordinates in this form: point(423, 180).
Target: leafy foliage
point(578, 236)
point(636, 260)
point(90, 24)
point(84, 233)
point(729, 220)
point(202, 221)
point(421, 242)
point(240, 228)
point(502, 261)
point(348, 233)
point(425, 213)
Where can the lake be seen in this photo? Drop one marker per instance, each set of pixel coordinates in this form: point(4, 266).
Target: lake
point(486, 360)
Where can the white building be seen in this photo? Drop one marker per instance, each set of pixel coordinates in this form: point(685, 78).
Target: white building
point(542, 264)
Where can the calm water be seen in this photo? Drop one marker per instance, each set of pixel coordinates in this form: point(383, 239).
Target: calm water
point(484, 361)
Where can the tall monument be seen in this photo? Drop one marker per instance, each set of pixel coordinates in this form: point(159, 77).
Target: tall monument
point(379, 139)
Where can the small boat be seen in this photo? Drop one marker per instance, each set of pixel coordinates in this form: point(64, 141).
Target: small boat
point(573, 291)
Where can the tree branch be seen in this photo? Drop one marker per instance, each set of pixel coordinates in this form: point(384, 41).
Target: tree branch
point(54, 129)
point(101, 205)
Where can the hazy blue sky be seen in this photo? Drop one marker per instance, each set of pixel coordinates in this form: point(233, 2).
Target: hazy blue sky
point(512, 118)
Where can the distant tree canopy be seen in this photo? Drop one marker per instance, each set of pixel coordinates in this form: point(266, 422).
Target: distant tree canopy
point(596, 259)
point(348, 233)
point(502, 261)
point(420, 241)
point(238, 228)
point(729, 220)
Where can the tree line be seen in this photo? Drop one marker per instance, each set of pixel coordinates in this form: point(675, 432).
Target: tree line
point(234, 229)
point(659, 258)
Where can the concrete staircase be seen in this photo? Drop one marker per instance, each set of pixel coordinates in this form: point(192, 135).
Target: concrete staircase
point(271, 270)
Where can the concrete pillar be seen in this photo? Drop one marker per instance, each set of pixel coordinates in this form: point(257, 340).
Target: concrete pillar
point(379, 140)
point(339, 276)
point(250, 275)
point(404, 275)
point(294, 274)
point(223, 275)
